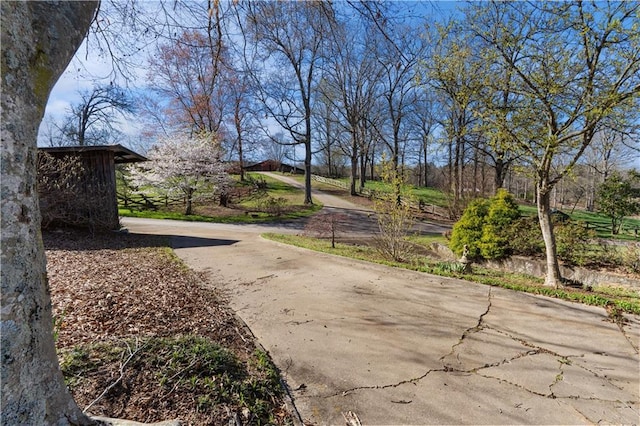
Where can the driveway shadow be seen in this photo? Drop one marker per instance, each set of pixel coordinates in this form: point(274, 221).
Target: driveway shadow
point(179, 242)
point(84, 240)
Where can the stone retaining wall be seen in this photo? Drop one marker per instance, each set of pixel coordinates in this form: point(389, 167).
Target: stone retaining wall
point(538, 268)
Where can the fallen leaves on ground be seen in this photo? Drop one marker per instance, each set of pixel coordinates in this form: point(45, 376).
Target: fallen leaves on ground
point(117, 288)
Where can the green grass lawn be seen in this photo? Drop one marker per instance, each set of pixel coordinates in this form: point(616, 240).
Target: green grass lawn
point(249, 208)
point(426, 195)
point(600, 223)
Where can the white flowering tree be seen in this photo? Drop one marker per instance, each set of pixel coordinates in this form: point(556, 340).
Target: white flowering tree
point(186, 165)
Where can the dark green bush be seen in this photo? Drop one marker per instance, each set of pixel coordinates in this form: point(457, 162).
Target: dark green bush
point(572, 239)
point(525, 237)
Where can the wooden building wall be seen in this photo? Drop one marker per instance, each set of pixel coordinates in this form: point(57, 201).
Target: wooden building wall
point(94, 202)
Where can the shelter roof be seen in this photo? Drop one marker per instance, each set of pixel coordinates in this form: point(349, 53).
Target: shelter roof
point(121, 154)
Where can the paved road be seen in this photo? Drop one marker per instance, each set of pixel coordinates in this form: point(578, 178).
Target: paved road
point(400, 347)
point(358, 220)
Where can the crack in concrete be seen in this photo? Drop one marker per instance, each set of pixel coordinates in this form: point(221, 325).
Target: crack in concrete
point(551, 395)
point(471, 330)
point(564, 359)
point(594, 373)
point(534, 350)
point(393, 385)
point(559, 377)
point(586, 418)
point(626, 336)
point(505, 361)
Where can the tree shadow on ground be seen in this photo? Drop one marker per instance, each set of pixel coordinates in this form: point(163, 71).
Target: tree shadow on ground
point(84, 240)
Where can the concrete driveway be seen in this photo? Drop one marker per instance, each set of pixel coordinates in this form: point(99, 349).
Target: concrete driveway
point(399, 347)
point(358, 220)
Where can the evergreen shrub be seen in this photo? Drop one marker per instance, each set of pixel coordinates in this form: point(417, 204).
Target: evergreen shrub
point(484, 227)
point(503, 211)
point(468, 230)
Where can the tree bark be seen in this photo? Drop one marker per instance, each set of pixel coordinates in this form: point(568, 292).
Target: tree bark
point(38, 41)
point(553, 277)
point(354, 165)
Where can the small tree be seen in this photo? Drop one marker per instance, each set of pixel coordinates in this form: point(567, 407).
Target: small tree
point(327, 224)
point(468, 230)
point(393, 211)
point(186, 165)
point(615, 200)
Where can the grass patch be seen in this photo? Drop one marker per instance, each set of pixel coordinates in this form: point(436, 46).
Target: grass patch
point(203, 373)
point(425, 195)
point(277, 202)
point(625, 301)
point(600, 223)
point(250, 217)
point(427, 240)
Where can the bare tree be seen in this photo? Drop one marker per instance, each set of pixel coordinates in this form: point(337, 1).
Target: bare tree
point(186, 74)
point(292, 36)
point(91, 121)
point(352, 77)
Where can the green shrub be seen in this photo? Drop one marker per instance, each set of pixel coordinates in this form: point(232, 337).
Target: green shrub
point(630, 258)
point(468, 230)
point(503, 211)
point(525, 237)
point(573, 241)
point(272, 205)
point(484, 227)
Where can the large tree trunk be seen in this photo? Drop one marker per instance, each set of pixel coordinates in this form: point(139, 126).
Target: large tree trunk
point(553, 278)
point(363, 172)
point(425, 160)
point(307, 151)
point(501, 170)
point(238, 123)
point(354, 166)
point(38, 41)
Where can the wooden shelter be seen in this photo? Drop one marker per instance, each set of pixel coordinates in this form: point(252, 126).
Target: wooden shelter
point(77, 185)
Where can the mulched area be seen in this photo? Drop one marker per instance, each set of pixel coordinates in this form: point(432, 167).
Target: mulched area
point(117, 288)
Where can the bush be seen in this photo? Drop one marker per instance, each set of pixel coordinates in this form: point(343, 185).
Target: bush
point(468, 230)
point(525, 237)
point(484, 227)
point(630, 258)
point(503, 211)
point(572, 241)
point(394, 215)
point(273, 206)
